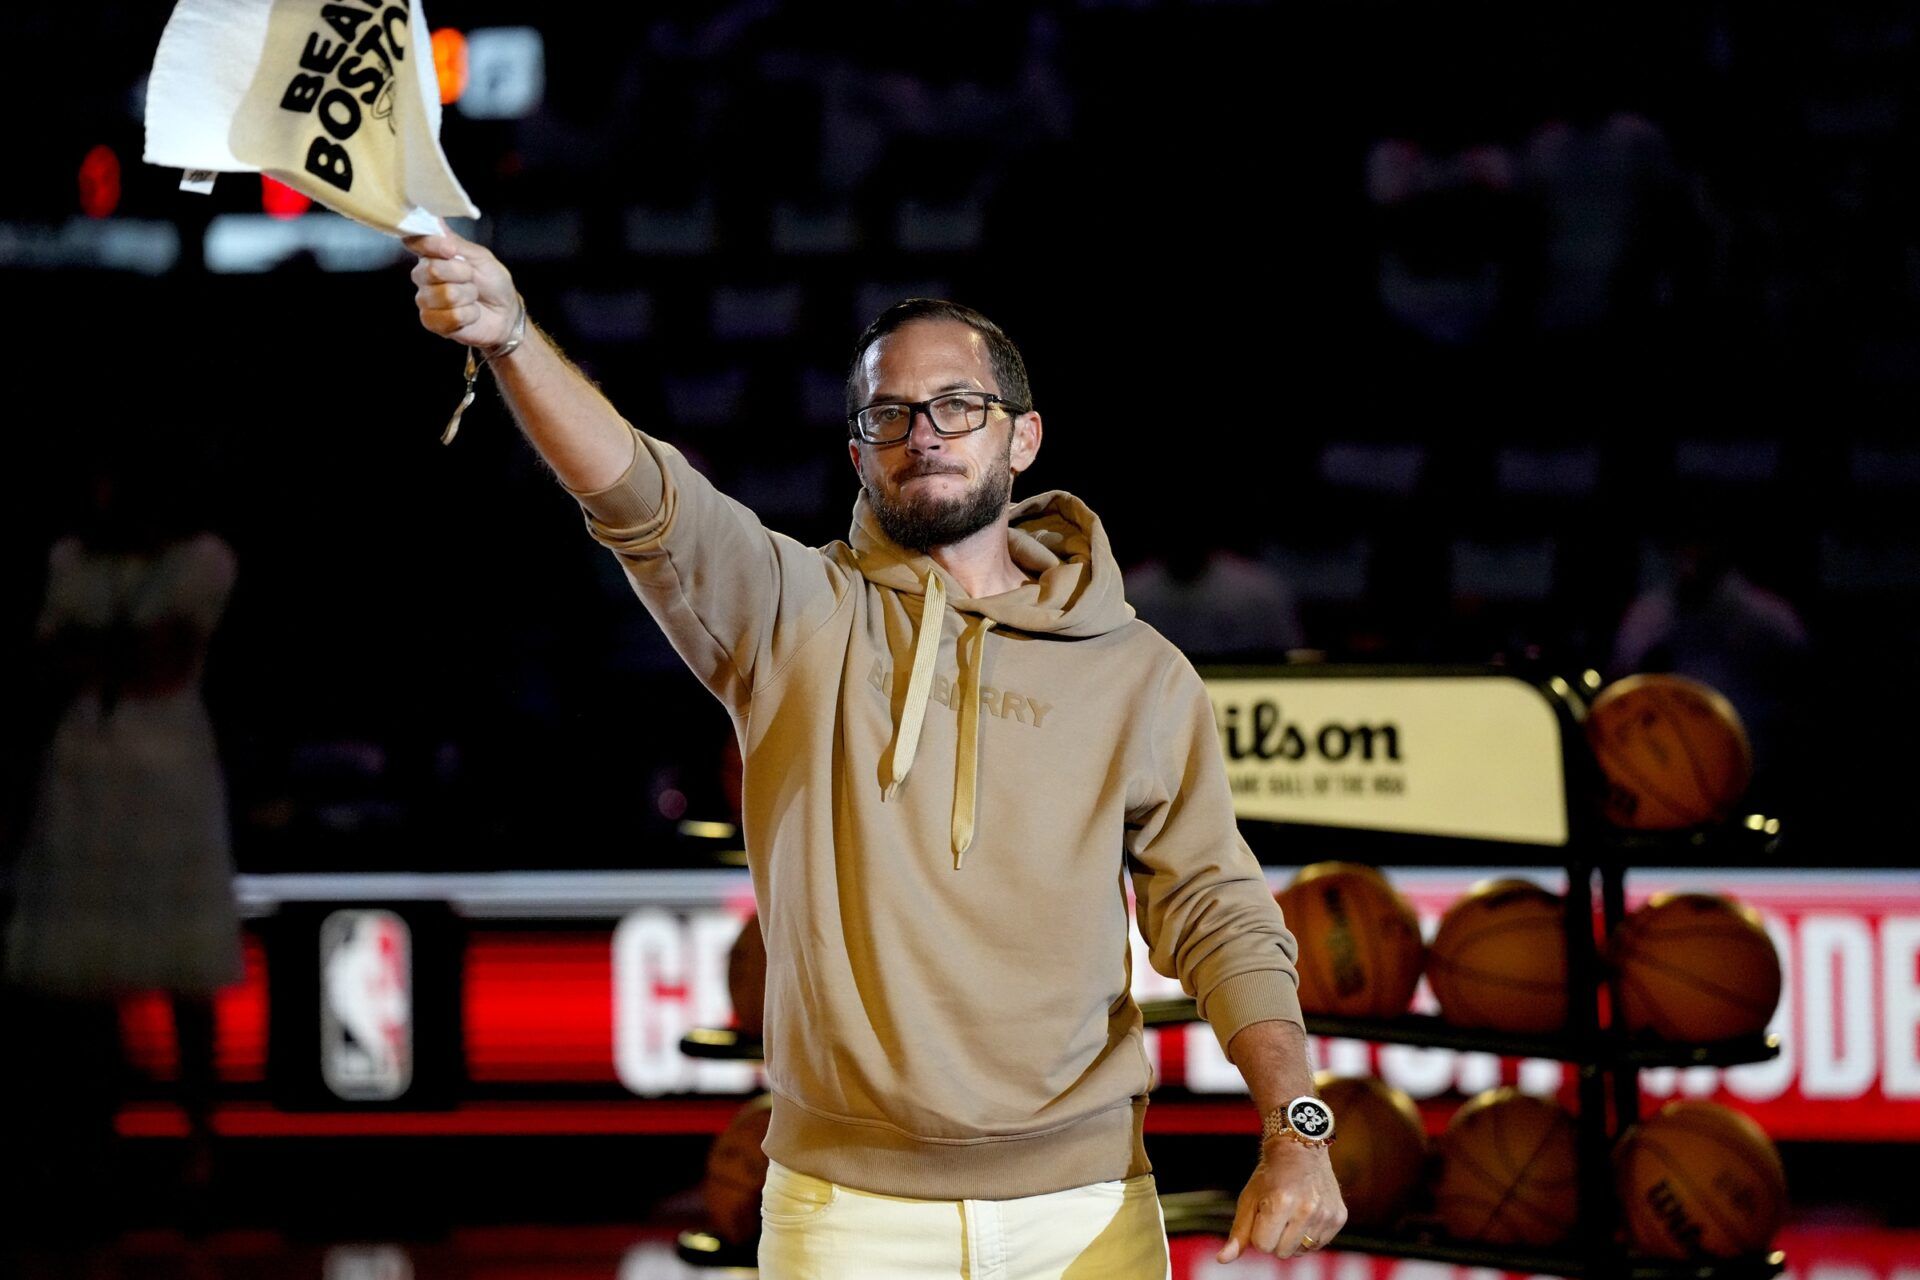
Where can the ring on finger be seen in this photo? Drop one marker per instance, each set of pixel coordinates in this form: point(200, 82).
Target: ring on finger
point(1308, 1242)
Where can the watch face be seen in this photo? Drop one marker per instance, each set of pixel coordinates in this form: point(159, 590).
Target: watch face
point(1310, 1118)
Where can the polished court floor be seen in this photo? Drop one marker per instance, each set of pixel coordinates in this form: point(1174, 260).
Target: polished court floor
point(611, 1209)
point(1832, 1250)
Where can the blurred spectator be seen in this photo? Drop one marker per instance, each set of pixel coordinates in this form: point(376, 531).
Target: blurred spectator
point(1216, 606)
point(1608, 188)
point(124, 882)
point(1615, 208)
point(1711, 622)
point(1448, 215)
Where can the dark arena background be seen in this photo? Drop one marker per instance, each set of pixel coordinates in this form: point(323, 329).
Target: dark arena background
point(1433, 369)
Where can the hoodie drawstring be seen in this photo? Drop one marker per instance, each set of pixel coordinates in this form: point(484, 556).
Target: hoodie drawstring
point(926, 650)
point(966, 764)
point(971, 652)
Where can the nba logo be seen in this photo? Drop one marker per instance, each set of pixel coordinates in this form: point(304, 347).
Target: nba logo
point(366, 1005)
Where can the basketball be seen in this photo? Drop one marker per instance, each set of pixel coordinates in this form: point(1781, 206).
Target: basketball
point(1360, 949)
point(1699, 1180)
point(1509, 1171)
point(1696, 967)
point(1499, 959)
point(1673, 752)
point(1381, 1152)
point(736, 1170)
point(747, 978)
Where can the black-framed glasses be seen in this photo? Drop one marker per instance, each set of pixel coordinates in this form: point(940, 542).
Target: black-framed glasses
point(952, 413)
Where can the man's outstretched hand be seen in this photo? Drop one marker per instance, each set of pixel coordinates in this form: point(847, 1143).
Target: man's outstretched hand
point(462, 290)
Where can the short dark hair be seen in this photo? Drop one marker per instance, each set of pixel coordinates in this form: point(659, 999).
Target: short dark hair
point(1009, 370)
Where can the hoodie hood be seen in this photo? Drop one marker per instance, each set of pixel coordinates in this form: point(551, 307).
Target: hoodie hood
point(1054, 536)
point(1076, 592)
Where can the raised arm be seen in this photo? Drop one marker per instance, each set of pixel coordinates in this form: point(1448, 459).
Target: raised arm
point(466, 294)
point(734, 598)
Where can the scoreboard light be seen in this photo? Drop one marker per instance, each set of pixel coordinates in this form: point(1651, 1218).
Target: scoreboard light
point(278, 200)
point(100, 182)
point(450, 63)
point(508, 73)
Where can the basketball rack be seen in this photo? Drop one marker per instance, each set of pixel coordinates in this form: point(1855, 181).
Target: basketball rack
point(1595, 858)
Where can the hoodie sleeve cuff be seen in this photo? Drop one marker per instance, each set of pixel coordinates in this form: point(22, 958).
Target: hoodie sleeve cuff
point(1264, 995)
point(632, 499)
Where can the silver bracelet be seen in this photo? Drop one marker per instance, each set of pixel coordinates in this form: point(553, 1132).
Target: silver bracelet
point(515, 337)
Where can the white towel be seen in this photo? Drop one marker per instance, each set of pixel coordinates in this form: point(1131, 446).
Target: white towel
point(337, 100)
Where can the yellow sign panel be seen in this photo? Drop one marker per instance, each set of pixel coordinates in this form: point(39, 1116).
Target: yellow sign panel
point(1464, 756)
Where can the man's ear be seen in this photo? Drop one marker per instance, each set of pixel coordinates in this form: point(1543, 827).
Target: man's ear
point(1025, 446)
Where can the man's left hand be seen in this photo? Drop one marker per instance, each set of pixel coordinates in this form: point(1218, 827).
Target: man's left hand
point(1291, 1203)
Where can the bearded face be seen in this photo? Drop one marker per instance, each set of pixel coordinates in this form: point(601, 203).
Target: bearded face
point(930, 490)
point(919, 513)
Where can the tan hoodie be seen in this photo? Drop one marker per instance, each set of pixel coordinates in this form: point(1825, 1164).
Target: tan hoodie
point(944, 799)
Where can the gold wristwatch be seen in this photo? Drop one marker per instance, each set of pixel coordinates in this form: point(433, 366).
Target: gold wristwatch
point(1306, 1120)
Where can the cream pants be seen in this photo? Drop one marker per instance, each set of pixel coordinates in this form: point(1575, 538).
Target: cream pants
point(811, 1229)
